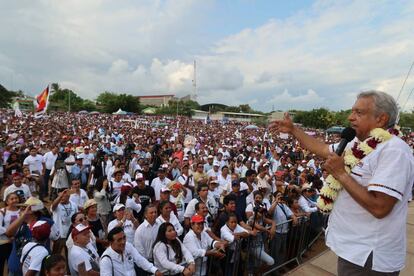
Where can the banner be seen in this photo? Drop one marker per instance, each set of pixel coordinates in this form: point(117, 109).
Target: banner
point(41, 103)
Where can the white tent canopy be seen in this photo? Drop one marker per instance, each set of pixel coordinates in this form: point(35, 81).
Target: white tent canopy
point(120, 112)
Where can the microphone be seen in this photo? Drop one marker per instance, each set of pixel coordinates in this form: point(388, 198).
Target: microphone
point(347, 135)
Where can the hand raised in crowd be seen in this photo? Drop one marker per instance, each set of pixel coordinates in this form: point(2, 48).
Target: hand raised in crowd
point(286, 125)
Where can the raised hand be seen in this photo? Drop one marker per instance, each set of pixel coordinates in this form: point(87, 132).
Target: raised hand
point(285, 125)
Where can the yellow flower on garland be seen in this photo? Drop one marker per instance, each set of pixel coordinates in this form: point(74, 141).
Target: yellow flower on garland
point(328, 192)
point(365, 148)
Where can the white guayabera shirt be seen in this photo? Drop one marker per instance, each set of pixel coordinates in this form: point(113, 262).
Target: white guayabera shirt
point(353, 232)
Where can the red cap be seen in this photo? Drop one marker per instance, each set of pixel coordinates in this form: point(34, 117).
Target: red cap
point(16, 174)
point(176, 186)
point(126, 188)
point(197, 218)
point(41, 230)
point(79, 229)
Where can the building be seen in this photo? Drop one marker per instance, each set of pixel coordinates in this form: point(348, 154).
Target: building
point(156, 100)
point(279, 115)
point(226, 116)
point(25, 103)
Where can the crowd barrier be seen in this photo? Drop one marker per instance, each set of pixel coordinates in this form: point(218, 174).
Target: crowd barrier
point(245, 257)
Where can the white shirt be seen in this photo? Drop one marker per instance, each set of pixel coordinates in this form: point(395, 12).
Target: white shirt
point(198, 248)
point(79, 255)
point(354, 233)
point(70, 159)
point(179, 204)
point(183, 180)
point(174, 221)
point(145, 236)
point(34, 163)
point(211, 205)
point(12, 188)
point(307, 205)
point(62, 217)
point(212, 172)
point(49, 159)
point(157, 184)
point(228, 235)
point(79, 200)
point(86, 158)
point(6, 218)
point(35, 257)
point(123, 265)
point(128, 226)
point(164, 258)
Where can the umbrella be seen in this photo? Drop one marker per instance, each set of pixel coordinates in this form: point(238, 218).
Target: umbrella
point(251, 127)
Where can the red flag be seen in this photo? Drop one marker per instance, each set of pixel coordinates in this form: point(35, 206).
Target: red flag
point(42, 100)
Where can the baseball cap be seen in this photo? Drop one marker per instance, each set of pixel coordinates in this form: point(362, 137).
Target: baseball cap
point(139, 176)
point(86, 147)
point(41, 230)
point(118, 207)
point(210, 156)
point(216, 163)
point(35, 203)
point(89, 203)
point(185, 158)
point(214, 181)
point(176, 186)
point(79, 229)
point(197, 218)
point(165, 189)
point(126, 188)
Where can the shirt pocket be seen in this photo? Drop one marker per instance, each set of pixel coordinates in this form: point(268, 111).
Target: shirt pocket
point(362, 173)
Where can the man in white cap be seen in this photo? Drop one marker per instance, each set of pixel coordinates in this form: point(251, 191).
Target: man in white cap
point(215, 171)
point(83, 252)
point(305, 202)
point(159, 182)
point(209, 165)
point(125, 219)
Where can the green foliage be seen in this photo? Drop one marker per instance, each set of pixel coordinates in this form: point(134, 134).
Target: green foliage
point(317, 118)
point(111, 102)
point(178, 107)
point(59, 99)
point(6, 97)
point(407, 120)
point(261, 121)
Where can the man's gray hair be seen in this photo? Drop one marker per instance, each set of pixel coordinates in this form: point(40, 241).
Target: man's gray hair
point(383, 103)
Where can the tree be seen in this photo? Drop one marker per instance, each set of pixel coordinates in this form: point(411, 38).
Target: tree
point(6, 97)
point(111, 102)
point(316, 118)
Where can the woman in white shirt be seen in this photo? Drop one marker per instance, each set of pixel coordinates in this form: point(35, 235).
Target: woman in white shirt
point(7, 215)
point(166, 215)
point(169, 253)
point(201, 245)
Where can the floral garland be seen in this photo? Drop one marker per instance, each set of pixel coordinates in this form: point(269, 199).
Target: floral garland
point(332, 187)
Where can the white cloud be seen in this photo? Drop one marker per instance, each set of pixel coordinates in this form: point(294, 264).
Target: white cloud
point(321, 56)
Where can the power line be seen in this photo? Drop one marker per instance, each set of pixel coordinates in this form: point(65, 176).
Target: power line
point(406, 101)
point(408, 74)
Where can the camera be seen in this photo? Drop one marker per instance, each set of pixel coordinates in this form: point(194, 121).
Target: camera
point(259, 208)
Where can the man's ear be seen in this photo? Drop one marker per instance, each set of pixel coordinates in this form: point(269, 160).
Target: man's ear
point(383, 120)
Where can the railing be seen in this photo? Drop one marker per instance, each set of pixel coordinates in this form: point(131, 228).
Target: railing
point(247, 256)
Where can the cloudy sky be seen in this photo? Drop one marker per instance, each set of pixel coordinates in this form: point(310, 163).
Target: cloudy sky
point(269, 54)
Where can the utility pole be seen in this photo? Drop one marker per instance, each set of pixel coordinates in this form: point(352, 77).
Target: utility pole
point(194, 94)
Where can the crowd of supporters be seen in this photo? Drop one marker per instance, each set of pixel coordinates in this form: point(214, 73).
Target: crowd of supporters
point(112, 195)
